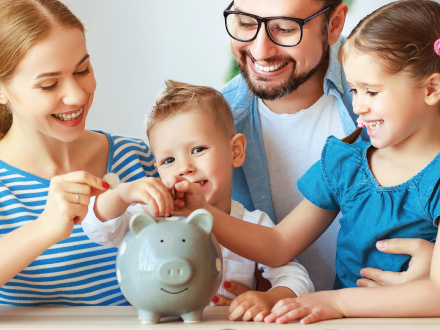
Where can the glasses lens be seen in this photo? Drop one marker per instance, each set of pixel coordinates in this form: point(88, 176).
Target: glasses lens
point(241, 27)
point(285, 32)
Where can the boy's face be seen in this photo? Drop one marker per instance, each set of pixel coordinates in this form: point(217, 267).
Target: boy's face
point(190, 145)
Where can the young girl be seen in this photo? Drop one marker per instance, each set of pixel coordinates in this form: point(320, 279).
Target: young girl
point(388, 188)
point(50, 165)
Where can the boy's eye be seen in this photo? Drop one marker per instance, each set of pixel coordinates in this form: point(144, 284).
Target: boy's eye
point(168, 160)
point(197, 150)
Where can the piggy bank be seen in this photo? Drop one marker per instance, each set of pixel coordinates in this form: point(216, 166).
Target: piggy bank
point(172, 266)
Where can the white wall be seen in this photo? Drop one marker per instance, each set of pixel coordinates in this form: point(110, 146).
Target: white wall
point(135, 45)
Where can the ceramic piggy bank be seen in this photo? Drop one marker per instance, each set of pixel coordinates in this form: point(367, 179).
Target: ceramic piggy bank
point(172, 266)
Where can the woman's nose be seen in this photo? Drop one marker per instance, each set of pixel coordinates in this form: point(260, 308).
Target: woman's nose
point(74, 94)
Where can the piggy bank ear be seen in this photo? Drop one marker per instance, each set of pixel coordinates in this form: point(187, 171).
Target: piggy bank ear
point(139, 221)
point(202, 218)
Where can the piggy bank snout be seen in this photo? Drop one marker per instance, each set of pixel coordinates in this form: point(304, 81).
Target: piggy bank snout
point(175, 271)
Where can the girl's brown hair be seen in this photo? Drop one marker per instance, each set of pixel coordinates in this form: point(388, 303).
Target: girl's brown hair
point(23, 23)
point(401, 35)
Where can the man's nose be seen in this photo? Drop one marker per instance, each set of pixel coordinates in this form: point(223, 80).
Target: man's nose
point(262, 46)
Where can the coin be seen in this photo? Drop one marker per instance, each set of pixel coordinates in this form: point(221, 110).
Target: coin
point(112, 179)
point(173, 192)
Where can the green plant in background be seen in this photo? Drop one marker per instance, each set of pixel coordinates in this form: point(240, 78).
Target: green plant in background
point(233, 71)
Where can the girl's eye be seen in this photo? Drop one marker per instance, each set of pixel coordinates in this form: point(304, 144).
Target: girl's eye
point(49, 88)
point(198, 150)
point(82, 73)
point(352, 90)
point(371, 92)
point(168, 160)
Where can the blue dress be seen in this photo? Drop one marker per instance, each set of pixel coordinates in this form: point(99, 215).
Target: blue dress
point(342, 180)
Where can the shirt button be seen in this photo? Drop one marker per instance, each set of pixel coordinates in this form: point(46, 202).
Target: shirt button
point(340, 87)
point(262, 196)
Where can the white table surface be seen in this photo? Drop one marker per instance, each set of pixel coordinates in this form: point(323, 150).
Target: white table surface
point(213, 318)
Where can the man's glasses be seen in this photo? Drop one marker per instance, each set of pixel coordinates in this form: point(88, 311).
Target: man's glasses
point(283, 31)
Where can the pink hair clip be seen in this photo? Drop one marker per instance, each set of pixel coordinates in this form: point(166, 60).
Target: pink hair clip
point(360, 122)
point(437, 46)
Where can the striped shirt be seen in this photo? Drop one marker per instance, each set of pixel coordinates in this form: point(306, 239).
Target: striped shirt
point(74, 271)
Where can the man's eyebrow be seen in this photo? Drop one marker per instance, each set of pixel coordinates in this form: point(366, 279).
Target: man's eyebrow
point(57, 73)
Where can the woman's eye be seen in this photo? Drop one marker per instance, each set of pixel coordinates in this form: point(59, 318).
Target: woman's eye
point(168, 160)
point(198, 150)
point(48, 88)
point(82, 73)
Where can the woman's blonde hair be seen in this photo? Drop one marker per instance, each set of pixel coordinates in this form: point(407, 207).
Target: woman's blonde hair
point(23, 23)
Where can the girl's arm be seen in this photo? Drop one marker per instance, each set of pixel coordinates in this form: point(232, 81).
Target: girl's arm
point(273, 246)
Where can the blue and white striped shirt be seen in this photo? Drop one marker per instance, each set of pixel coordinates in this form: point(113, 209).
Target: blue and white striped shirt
point(75, 271)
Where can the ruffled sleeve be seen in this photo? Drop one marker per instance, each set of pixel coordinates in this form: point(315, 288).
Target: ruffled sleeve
point(429, 189)
point(339, 170)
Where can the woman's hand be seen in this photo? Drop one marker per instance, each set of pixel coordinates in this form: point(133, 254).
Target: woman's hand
point(67, 202)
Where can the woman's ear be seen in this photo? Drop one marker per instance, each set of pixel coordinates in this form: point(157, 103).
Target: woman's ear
point(3, 97)
point(432, 89)
point(238, 148)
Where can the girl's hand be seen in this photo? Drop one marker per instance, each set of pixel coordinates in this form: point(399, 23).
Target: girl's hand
point(67, 202)
point(189, 196)
point(150, 191)
point(309, 308)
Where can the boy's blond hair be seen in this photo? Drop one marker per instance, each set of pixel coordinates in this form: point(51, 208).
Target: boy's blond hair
point(179, 97)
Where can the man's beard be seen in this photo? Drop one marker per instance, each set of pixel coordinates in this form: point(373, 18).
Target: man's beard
point(266, 92)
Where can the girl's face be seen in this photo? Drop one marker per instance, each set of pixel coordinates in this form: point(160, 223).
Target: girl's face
point(190, 145)
point(391, 106)
point(52, 88)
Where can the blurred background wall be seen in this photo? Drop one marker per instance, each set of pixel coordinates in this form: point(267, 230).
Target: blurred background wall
point(135, 45)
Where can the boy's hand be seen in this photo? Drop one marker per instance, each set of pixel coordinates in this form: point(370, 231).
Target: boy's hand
point(150, 191)
point(309, 308)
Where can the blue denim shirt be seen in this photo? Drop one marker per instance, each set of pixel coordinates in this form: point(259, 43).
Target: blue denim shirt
point(251, 181)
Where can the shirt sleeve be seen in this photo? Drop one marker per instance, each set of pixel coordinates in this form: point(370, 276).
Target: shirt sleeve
point(292, 275)
point(110, 232)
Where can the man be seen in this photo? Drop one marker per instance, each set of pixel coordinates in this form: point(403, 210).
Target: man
point(290, 95)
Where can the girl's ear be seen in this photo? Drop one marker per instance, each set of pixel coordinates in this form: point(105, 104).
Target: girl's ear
point(432, 89)
point(238, 147)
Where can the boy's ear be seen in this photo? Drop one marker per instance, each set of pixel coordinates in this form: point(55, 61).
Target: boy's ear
point(238, 147)
point(336, 22)
point(432, 89)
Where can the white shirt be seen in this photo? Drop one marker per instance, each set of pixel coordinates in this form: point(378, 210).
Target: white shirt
point(293, 143)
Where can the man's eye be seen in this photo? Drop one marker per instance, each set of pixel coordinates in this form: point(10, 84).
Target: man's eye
point(353, 90)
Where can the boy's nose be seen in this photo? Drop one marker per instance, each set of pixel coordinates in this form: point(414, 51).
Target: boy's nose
point(185, 169)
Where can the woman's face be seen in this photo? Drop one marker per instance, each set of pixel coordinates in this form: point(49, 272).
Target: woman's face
point(52, 88)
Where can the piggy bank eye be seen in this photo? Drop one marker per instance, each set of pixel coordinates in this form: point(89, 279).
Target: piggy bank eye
point(183, 240)
point(161, 240)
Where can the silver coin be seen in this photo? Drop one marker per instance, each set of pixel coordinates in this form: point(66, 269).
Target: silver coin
point(112, 179)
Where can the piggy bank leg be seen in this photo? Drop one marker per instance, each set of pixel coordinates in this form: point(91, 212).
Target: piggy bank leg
point(148, 317)
point(193, 317)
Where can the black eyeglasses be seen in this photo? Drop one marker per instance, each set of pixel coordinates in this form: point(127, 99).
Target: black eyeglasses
point(283, 31)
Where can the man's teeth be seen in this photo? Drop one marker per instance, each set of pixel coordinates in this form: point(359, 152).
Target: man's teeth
point(70, 116)
point(269, 68)
point(374, 124)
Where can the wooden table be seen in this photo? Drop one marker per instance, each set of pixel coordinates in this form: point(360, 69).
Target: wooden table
point(66, 318)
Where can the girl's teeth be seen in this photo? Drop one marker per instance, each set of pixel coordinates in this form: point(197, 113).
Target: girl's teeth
point(70, 116)
point(374, 124)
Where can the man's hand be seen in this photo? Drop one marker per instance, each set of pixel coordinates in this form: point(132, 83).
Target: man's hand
point(420, 251)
